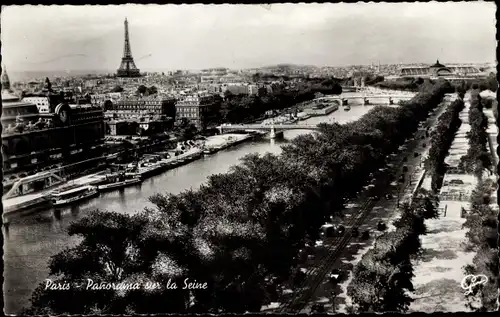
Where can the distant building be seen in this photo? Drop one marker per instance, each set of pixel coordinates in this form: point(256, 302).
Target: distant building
point(32, 140)
point(213, 75)
point(142, 126)
point(211, 88)
point(122, 127)
point(269, 89)
point(235, 89)
point(100, 99)
point(200, 109)
point(256, 90)
point(129, 108)
point(439, 70)
point(42, 103)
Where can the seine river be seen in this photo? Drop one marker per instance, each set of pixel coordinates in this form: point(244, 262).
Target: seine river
point(32, 240)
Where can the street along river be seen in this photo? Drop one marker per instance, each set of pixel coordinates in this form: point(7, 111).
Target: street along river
point(30, 241)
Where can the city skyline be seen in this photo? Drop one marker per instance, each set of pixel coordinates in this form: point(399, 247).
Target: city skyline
point(246, 36)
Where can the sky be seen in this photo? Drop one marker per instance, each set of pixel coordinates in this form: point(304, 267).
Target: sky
point(169, 37)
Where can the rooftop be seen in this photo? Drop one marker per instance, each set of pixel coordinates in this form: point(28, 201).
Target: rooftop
point(438, 64)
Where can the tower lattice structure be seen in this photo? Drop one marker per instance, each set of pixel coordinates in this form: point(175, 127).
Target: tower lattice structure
point(127, 67)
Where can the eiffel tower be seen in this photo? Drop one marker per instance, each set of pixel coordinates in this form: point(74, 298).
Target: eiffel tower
point(127, 67)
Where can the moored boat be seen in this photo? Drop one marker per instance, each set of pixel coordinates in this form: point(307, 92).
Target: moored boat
point(304, 117)
point(68, 196)
point(208, 151)
point(118, 181)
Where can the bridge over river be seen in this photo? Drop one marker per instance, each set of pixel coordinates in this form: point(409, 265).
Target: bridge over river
point(266, 127)
point(273, 128)
point(366, 98)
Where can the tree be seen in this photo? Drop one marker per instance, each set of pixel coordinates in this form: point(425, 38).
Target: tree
point(256, 77)
point(337, 89)
point(106, 254)
point(379, 286)
point(142, 90)
point(152, 90)
point(382, 278)
point(482, 222)
point(242, 231)
point(185, 128)
point(117, 88)
point(442, 138)
point(228, 95)
point(478, 157)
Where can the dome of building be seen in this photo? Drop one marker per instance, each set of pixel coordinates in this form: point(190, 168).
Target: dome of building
point(13, 108)
point(438, 64)
point(7, 94)
point(5, 79)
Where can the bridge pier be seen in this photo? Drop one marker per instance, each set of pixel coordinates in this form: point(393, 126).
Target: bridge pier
point(57, 213)
point(272, 135)
point(220, 129)
point(391, 102)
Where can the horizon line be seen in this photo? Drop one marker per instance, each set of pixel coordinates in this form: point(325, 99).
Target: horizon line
point(11, 70)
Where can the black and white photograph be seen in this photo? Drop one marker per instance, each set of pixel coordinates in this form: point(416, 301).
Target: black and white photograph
point(336, 158)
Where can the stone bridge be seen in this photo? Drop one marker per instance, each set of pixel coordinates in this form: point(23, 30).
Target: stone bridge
point(366, 98)
point(272, 128)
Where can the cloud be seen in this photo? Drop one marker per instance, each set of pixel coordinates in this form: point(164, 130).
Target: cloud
point(198, 36)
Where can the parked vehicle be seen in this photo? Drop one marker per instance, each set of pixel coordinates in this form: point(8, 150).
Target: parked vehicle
point(381, 226)
point(335, 276)
point(299, 277)
point(355, 232)
point(365, 235)
point(318, 308)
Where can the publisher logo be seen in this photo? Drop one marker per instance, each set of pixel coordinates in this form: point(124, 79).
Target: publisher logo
point(471, 281)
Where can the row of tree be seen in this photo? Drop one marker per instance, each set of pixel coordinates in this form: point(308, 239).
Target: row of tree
point(405, 84)
point(441, 139)
point(413, 84)
point(240, 233)
point(478, 157)
point(383, 277)
point(481, 220)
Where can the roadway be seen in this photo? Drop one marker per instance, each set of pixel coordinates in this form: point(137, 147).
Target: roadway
point(316, 284)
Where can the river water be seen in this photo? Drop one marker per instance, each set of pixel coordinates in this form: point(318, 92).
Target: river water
point(32, 240)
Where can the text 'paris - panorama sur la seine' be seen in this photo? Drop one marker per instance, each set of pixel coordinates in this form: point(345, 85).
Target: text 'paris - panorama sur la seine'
point(90, 284)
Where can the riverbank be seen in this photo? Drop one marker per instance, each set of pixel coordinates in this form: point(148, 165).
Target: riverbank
point(217, 143)
point(213, 144)
point(32, 240)
point(32, 203)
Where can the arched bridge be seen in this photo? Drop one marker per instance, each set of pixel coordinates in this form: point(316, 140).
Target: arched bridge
point(266, 127)
point(366, 98)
